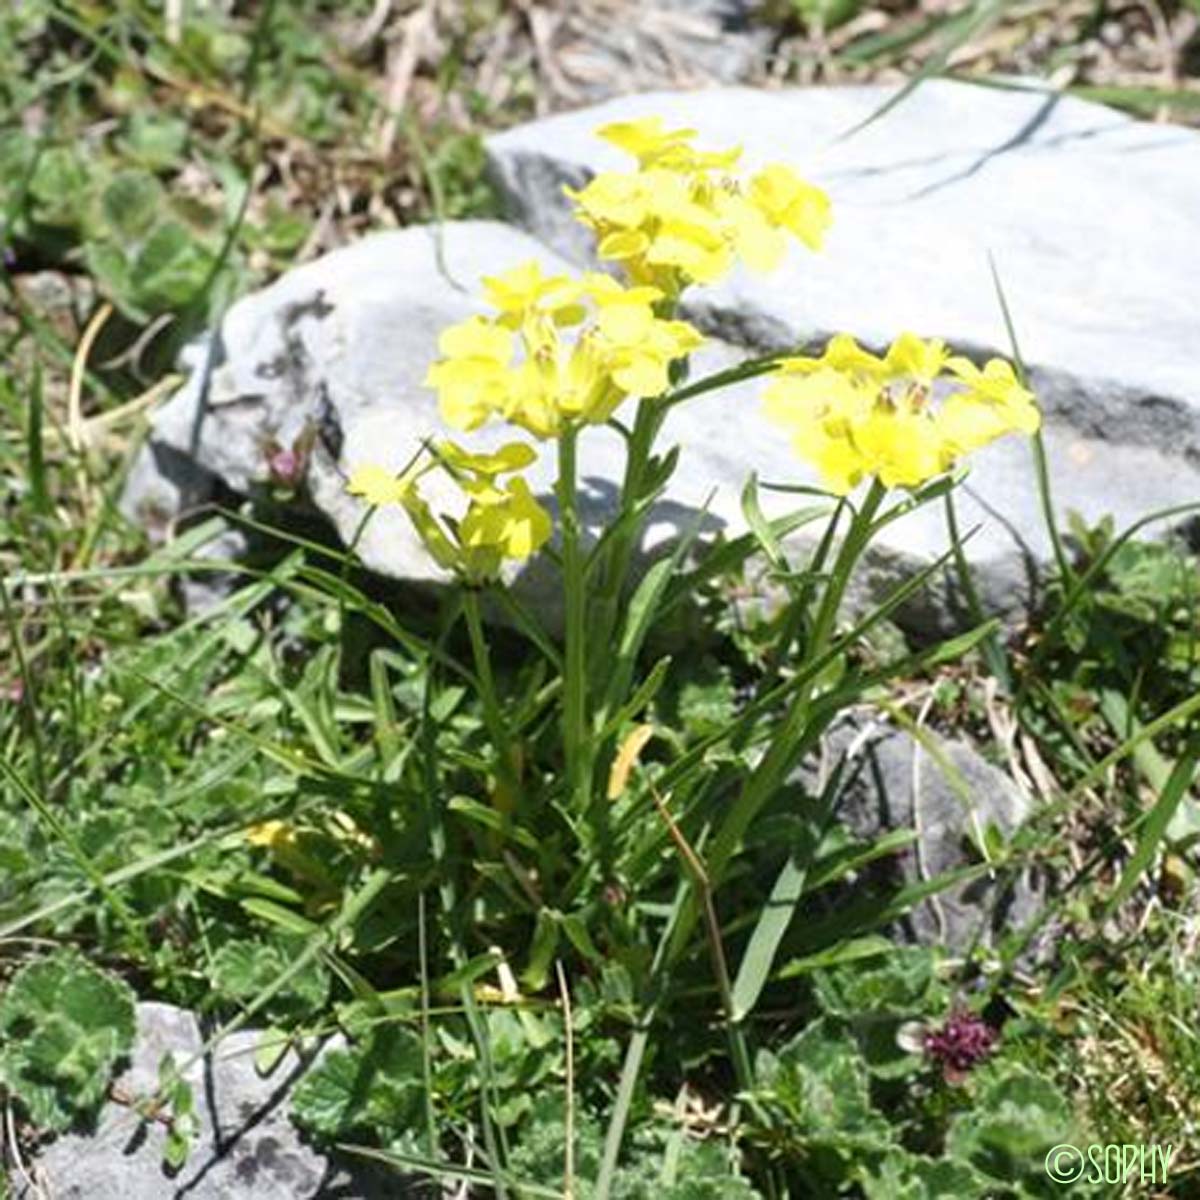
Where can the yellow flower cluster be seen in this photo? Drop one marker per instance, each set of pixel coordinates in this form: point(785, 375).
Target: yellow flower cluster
point(502, 521)
point(518, 364)
point(682, 217)
point(903, 418)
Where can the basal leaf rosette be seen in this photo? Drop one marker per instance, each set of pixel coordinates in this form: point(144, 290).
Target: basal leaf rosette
point(498, 521)
point(557, 351)
point(685, 215)
point(903, 418)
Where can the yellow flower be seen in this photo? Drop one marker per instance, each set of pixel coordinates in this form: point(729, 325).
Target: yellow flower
point(525, 291)
point(507, 522)
point(472, 375)
point(512, 456)
point(651, 145)
point(682, 217)
point(377, 485)
point(640, 348)
point(645, 138)
point(607, 291)
point(622, 349)
point(619, 201)
point(997, 389)
point(789, 202)
point(755, 240)
point(909, 357)
point(500, 521)
point(683, 252)
point(820, 407)
point(857, 416)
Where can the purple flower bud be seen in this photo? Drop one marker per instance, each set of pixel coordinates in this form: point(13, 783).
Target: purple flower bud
point(961, 1044)
point(285, 466)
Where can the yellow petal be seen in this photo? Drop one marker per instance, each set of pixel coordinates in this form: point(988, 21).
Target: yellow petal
point(377, 485)
point(477, 338)
point(622, 244)
point(911, 357)
point(512, 456)
point(641, 375)
point(624, 324)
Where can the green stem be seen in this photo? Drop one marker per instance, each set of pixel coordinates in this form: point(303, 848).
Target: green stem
point(493, 714)
point(495, 1150)
point(792, 738)
point(624, 540)
point(993, 647)
point(850, 552)
point(1046, 499)
point(575, 739)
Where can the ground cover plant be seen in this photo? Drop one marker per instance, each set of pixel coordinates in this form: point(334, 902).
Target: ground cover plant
point(566, 889)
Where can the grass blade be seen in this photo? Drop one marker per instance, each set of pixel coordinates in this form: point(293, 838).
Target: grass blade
point(962, 27)
point(1155, 823)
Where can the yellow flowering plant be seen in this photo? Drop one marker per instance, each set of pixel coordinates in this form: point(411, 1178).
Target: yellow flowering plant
point(685, 217)
point(856, 416)
point(501, 520)
point(573, 819)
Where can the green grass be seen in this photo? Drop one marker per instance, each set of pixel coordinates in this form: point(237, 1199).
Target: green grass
point(288, 812)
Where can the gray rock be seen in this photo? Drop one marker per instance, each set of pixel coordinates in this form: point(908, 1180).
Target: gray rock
point(164, 486)
point(950, 798)
point(247, 1146)
point(1093, 222)
point(339, 347)
point(200, 592)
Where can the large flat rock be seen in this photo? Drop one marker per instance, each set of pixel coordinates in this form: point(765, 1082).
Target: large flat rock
point(1093, 220)
point(341, 346)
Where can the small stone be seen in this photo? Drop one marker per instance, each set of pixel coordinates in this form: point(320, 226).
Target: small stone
point(247, 1147)
point(892, 783)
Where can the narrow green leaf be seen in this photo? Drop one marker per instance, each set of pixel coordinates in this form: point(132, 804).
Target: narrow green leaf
point(1154, 824)
point(764, 942)
point(960, 28)
point(491, 819)
point(852, 950)
point(276, 914)
point(38, 492)
point(1146, 101)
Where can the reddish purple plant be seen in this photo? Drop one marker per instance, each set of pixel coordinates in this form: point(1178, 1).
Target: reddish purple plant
point(286, 467)
point(961, 1044)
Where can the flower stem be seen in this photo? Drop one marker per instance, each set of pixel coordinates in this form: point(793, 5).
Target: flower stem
point(575, 734)
point(625, 539)
point(792, 738)
point(493, 714)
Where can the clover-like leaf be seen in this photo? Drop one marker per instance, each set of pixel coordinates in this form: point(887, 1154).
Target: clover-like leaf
point(132, 203)
point(376, 1087)
point(59, 187)
point(902, 1175)
point(1017, 1117)
point(244, 968)
point(819, 1081)
point(64, 1026)
point(171, 267)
